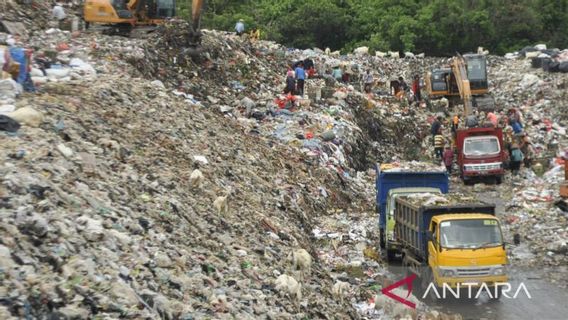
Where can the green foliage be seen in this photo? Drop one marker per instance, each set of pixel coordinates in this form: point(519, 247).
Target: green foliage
point(437, 27)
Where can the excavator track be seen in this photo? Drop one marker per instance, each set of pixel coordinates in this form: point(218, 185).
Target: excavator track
point(126, 30)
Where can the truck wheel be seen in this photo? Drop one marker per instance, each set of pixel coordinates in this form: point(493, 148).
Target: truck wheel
point(391, 256)
point(498, 180)
point(426, 281)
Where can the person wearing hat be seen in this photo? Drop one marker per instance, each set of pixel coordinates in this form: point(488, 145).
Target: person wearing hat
point(240, 27)
point(508, 138)
point(528, 151)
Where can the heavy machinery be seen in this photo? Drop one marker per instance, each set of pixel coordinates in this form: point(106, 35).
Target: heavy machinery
point(481, 154)
point(451, 241)
point(464, 81)
point(122, 16)
point(392, 183)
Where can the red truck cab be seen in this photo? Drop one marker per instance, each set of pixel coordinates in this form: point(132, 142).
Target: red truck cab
point(480, 154)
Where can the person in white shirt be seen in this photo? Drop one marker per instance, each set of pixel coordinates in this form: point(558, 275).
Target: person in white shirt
point(58, 13)
point(369, 81)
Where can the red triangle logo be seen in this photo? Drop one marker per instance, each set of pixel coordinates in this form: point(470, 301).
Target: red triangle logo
point(408, 281)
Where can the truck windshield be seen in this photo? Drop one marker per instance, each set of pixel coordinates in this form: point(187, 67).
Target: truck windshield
point(476, 69)
point(470, 234)
point(480, 146)
point(166, 8)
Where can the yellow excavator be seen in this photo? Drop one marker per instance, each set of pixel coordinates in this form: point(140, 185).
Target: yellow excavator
point(124, 16)
point(464, 81)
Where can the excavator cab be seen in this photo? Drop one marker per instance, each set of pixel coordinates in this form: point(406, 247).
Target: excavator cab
point(476, 73)
point(124, 14)
point(449, 82)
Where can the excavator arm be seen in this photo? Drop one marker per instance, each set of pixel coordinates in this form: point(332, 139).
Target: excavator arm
point(460, 72)
point(196, 6)
point(195, 34)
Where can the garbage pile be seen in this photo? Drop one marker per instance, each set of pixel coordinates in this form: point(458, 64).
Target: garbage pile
point(25, 17)
point(550, 60)
point(411, 166)
point(531, 213)
point(430, 199)
point(103, 214)
point(144, 181)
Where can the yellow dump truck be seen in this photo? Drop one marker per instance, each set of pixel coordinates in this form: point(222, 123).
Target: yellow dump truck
point(451, 241)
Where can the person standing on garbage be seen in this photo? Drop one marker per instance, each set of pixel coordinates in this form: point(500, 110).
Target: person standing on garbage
point(402, 83)
point(346, 75)
point(508, 139)
point(290, 82)
point(448, 158)
point(516, 158)
point(402, 88)
point(528, 151)
point(369, 80)
point(517, 127)
point(455, 127)
point(471, 121)
point(300, 78)
point(493, 119)
point(416, 89)
point(58, 13)
point(515, 115)
point(436, 126)
point(240, 27)
point(455, 124)
point(439, 142)
point(18, 63)
point(337, 74)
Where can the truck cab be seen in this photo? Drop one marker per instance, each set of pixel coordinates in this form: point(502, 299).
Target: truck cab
point(392, 245)
point(480, 154)
point(466, 248)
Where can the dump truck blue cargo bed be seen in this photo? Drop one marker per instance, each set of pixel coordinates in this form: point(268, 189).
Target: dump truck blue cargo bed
point(387, 180)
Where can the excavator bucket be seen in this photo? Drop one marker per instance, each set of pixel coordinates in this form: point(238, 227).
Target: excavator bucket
point(485, 103)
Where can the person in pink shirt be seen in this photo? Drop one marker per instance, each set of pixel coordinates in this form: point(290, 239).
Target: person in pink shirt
point(448, 158)
point(493, 119)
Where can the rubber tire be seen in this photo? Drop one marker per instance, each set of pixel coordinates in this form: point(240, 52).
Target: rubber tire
point(426, 279)
point(391, 256)
point(498, 180)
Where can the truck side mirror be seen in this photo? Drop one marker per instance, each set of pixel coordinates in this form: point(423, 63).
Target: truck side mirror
point(429, 236)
